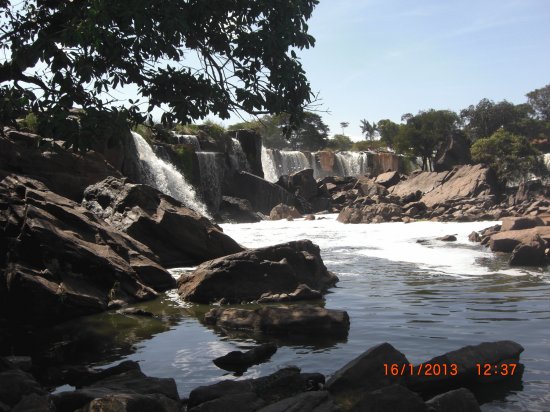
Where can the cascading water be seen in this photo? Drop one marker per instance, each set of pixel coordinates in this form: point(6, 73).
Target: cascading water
point(268, 166)
point(238, 157)
point(188, 139)
point(352, 163)
point(211, 173)
point(165, 177)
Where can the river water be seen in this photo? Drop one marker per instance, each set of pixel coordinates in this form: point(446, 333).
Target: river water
point(425, 298)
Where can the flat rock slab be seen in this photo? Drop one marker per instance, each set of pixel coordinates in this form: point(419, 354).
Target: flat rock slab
point(246, 276)
point(296, 320)
point(506, 241)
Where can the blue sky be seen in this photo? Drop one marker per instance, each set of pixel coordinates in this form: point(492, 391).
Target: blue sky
point(378, 59)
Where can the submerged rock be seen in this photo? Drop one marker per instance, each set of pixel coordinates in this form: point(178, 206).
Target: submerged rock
point(178, 235)
point(295, 320)
point(247, 275)
point(238, 361)
point(64, 260)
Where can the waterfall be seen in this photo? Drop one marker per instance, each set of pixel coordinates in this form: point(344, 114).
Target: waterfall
point(188, 139)
point(268, 165)
point(352, 163)
point(546, 160)
point(238, 157)
point(211, 176)
point(165, 177)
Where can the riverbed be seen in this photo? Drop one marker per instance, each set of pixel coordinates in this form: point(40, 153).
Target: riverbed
point(397, 282)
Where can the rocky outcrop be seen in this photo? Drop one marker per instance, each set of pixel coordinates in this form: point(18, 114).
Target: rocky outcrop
point(254, 394)
point(388, 179)
point(235, 210)
point(300, 183)
point(294, 321)
point(262, 195)
point(251, 143)
point(377, 213)
point(177, 235)
point(282, 211)
point(247, 275)
point(125, 389)
point(62, 262)
point(62, 171)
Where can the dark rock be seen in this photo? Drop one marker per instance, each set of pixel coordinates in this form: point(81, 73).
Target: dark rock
point(282, 384)
point(80, 377)
point(135, 312)
point(366, 372)
point(20, 362)
point(315, 401)
point(296, 320)
point(238, 361)
point(300, 183)
point(302, 292)
point(34, 403)
point(242, 402)
point(251, 143)
point(389, 399)
point(529, 254)
point(388, 179)
point(235, 210)
point(309, 217)
point(129, 390)
point(177, 235)
point(63, 171)
point(381, 212)
point(466, 359)
point(66, 261)
point(447, 238)
point(282, 211)
point(474, 237)
point(262, 195)
point(247, 275)
point(124, 402)
point(459, 400)
point(15, 384)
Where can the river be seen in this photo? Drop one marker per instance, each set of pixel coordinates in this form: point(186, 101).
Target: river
point(425, 298)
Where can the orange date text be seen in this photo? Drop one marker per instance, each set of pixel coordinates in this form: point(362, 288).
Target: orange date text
point(423, 369)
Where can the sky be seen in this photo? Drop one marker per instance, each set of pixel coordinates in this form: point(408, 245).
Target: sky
point(380, 59)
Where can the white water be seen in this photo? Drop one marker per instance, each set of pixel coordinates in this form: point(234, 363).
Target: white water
point(165, 177)
point(269, 169)
point(211, 177)
point(188, 139)
point(395, 242)
point(238, 157)
point(277, 163)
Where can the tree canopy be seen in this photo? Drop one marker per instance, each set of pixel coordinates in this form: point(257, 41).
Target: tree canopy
point(511, 156)
point(422, 134)
point(190, 58)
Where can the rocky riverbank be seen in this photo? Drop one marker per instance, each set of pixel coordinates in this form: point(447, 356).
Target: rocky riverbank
point(381, 379)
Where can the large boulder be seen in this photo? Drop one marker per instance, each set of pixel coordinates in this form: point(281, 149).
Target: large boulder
point(261, 194)
point(247, 275)
point(367, 372)
point(466, 372)
point(294, 321)
point(177, 235)
point(241, 395)
point(62, 261)
point(388, 179)
point(506, 241)
point(458, 400)
point(62, 171)
point(282, 211)
point(300, 183)
point(251, 143)
point(235, 210)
